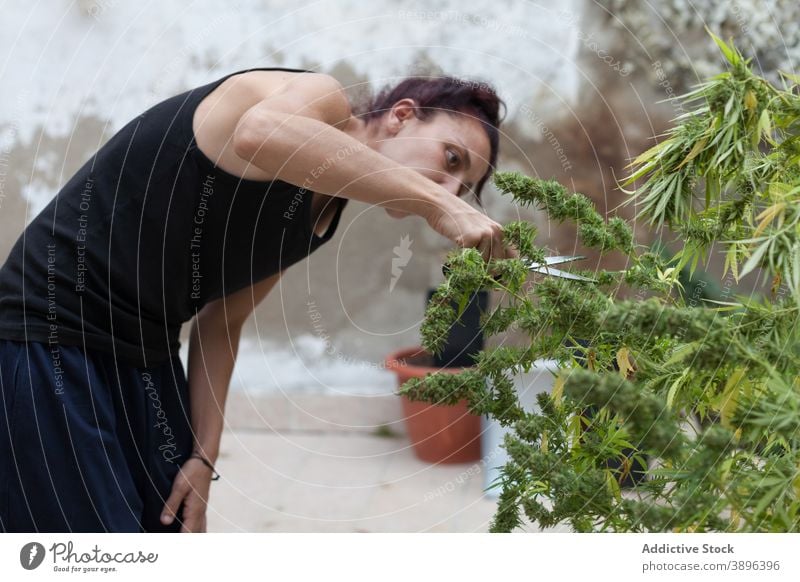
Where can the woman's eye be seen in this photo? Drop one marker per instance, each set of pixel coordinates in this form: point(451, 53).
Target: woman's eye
point(452, 158)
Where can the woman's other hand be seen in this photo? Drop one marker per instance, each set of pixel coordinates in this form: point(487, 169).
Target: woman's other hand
point(190, 487)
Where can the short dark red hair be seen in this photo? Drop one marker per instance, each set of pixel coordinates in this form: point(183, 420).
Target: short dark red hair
point(476, 99)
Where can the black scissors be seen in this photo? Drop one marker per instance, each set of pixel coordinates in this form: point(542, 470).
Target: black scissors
point(547, 268)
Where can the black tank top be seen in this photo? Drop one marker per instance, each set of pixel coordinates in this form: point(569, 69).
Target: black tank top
point(143, 235)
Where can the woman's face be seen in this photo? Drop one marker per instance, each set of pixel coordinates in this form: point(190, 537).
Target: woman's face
point(451, 149)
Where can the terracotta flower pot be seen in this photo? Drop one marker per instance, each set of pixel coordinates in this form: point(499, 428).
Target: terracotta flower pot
point(438, 433)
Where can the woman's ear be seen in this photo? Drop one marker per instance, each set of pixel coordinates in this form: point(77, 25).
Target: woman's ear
point(401, 112)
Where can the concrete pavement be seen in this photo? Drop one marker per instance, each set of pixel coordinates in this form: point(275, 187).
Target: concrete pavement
point(322, 463)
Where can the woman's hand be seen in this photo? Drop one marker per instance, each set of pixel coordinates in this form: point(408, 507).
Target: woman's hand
point(191, 488)
point(468, 227)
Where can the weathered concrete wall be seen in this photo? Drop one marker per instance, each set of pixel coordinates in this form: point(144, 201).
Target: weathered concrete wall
point(579, 109)
point(74, 73)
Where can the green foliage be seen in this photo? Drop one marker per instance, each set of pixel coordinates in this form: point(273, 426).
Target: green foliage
point(651, 363)
point(561, 206)
point(739, 142)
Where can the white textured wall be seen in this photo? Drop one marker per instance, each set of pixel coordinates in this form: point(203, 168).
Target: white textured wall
point(73, 72)
point(111, 58)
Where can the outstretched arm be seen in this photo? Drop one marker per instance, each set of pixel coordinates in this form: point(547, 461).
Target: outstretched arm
point(297, 134)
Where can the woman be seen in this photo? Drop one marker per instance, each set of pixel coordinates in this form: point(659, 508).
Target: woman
point(192, 211)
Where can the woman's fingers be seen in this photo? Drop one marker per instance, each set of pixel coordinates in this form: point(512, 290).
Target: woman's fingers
point(491, 243)
point(487, 238)
point(192, 480)
point(194, 514)
point(512, 252)
point(498, 249)
point(180, 488)
point(469, 228)
point(190, 487)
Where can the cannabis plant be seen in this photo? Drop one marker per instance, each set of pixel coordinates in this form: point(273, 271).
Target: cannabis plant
point(634, 373)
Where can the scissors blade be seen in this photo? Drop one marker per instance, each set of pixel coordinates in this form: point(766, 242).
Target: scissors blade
point(545, 270)
point(557, 260)
point(563, 259)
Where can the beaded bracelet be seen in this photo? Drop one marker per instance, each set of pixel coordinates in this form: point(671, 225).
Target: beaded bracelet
point(207, 464)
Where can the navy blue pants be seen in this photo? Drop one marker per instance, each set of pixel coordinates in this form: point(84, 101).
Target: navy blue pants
point(88, 443)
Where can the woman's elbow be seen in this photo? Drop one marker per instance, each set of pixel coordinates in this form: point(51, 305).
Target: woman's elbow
point(251, 133)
